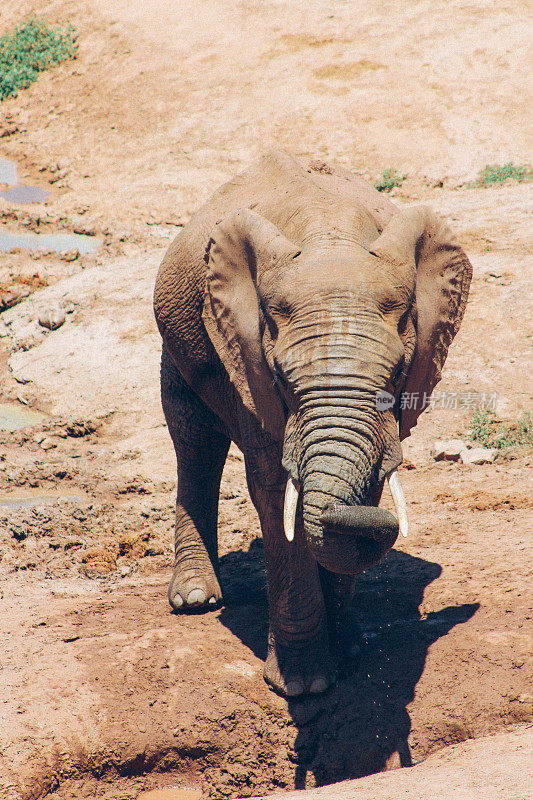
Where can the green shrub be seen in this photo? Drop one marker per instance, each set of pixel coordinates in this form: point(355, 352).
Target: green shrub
point(494, 174)
point(488, 430)
point(388, 180)
point(481, 427)
point(31, 48)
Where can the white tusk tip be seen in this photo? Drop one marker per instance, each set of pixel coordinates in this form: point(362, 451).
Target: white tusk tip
point(289, 508)
point(399, 501)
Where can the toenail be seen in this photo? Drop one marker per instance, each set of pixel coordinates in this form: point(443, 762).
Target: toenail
point(294, 688)
point(177, 601)
point(319, 685)
point(212, 601)
point(196, 597)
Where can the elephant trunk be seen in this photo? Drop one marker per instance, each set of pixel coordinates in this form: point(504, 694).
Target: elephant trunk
point(341, 453)
point(372, 531)
point(338, 444)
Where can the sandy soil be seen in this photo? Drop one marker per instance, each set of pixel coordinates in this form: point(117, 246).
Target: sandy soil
point(104, 691)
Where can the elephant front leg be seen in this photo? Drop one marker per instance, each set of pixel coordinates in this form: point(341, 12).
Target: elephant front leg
point(298, 659)
point(201, 451)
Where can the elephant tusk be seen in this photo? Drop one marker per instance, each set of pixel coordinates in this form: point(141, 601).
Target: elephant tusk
point(289, 508)
point(399, 500)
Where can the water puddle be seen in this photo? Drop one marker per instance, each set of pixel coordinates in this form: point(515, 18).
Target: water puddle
point(39, 499)
point(18, 193)
point(21, 194)
point(25, 194)
point(8, 172)
point(58, 242)
point(14, 417)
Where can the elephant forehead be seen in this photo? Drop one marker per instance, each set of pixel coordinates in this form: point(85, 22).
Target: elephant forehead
point(331, 263)
point(350, 279)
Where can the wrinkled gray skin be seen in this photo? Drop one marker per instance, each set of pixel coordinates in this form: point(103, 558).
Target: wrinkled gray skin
point(287, 302)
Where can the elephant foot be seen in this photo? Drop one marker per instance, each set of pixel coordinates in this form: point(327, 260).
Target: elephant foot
point(194, 591)
point(292, 672)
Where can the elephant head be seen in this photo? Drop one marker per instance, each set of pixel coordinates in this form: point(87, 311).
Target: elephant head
point(312, 328)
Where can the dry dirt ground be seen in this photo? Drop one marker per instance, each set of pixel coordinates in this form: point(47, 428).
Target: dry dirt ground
point(104, 692)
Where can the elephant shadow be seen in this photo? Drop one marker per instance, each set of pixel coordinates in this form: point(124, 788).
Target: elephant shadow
point(361, 724)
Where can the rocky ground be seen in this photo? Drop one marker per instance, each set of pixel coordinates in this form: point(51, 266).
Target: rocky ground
point(104, 691)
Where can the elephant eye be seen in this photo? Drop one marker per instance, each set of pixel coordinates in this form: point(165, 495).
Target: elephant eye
point(404, 319)
point(281, 308)
point(277, 367)
point(279, 374)
point(398, 370)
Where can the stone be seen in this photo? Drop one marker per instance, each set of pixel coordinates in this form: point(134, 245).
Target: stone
point(70, 255)
point(85, 228)
point(52, 318)
point(479, 455)
point(14, 295)
point(449, 450)
point(48, 444)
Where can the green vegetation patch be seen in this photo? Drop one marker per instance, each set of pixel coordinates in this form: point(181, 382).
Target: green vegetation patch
point(388, 180)
point(489, 430)
point(495, 174)
point(30, 49)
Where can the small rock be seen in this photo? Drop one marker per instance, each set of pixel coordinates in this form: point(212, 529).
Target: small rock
point(125, 571)
point(13, 296)
point(479, 455)
point(449, 450)
point(70, 255)
point(48, 444)
point(85, 229)
point(52, 318)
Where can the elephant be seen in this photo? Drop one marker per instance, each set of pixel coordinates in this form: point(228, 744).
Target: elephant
point(289, 306)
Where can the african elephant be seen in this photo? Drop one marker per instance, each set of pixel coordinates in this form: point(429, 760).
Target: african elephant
point(289, 302)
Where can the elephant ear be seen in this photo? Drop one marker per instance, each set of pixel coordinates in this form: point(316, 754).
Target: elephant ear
point(443, 275)
point(243, 247)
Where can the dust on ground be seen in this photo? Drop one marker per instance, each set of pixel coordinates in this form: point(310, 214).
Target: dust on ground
point(105, 692)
